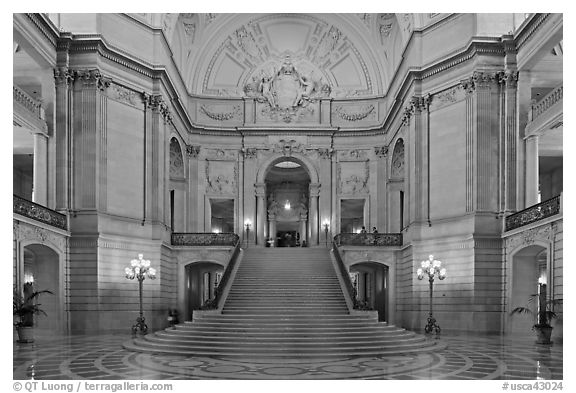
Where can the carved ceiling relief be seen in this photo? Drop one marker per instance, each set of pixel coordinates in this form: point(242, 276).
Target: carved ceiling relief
point(221, 177)
point(264, 57)
point(386, 24)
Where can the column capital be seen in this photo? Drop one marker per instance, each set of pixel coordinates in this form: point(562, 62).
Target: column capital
point(314, 189)
point(250, 153)
point(381, 151)
point(509, 78)
point(63, 76)
point(260, 189)
point(92, 78)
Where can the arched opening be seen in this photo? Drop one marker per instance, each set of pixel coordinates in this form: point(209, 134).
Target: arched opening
point(529, 265)
point(202, 279)
point(177, 188)
point(396, 212)
point(287, 185)
point(370, 281)
point(42, 272)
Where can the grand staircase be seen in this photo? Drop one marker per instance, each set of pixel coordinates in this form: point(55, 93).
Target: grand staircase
point(283, 302)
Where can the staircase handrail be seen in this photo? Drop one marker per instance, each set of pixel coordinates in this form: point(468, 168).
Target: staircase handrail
point(345, 275)
point(226, 276)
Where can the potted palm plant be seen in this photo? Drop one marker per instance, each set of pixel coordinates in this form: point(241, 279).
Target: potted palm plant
point(544, 314)
point(24, 308)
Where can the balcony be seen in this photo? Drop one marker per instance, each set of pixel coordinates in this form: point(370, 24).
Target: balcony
point(28, 112)
point(546, 113)
point(39, 213)
point(369, 239)
point(534, 213)
point(204, 239)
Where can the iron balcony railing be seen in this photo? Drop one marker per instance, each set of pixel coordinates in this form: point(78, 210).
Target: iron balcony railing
point(534, 213)
point(369, 239)
point(204, 239)
point(39, 213)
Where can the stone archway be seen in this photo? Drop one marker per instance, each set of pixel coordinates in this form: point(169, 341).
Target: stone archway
point(308, 220)
point(371, 283)
point(202, 278)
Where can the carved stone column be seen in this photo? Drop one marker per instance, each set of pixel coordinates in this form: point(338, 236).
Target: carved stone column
point(313, 214)
point(63, 79)
point(381, 153)
point(303, 230)
point(40, 174)
point(532, 169)
point(272, 230)
point(89, 139)
point(260, 213)
point(193, 224)
point(511, 137)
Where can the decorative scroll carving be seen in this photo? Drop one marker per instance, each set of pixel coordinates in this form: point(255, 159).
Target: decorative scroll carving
point(63, 75)
point(288, 147)
point(369, 239)
point(220, 116)
point(353, 155)
point(221, 154)
point(25, 232)
point(361, 115)
point(39, 213)
point(92, 78)
point(193, 151)
point(325, 153)
point(121, 93)
point(204, 239)
point(381, 151)
point(534, 213)
point(509, 78)
point(529, 237)
point(447, 97)
point(250, 153)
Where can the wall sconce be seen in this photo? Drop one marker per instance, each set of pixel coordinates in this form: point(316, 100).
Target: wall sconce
point(28, 279)
point(287, 205)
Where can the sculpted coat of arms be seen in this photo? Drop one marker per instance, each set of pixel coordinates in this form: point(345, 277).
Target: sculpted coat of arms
point(286, 91)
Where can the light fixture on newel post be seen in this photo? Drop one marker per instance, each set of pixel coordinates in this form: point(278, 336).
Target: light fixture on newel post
point(247, 224)
point(140, 269)
point(431, 268)
point(326, 226)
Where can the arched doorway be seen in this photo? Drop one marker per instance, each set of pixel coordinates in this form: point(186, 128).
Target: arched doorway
point(202, 279)
point(287, 185)
point(370, 281)
point(42, 272)
point(529, 265)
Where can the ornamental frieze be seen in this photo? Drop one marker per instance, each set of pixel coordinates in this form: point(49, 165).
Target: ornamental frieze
point(529, 237)
point(24, 232)
point(214, 114)
point(448, 97)
point(122, 94)
point(221, 154)
point(353, 155)
point(351, 115)
point(352, 178)
point(288, 147)
point(221, 177)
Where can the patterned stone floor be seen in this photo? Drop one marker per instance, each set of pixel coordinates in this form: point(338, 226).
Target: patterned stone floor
point(463, 358)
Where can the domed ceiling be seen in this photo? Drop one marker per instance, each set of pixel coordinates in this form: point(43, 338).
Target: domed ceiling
point(336, 55)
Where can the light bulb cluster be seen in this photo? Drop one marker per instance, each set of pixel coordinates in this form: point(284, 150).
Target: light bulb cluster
point(431, 267)
point(140, 268)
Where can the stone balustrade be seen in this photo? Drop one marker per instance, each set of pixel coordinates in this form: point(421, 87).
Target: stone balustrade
point(534, 213)
point(204, 239)
point(27, 102)
point(39, 213)
point(540, 107)
point(369, 239)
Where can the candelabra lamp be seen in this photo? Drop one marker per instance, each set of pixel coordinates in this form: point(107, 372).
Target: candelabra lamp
point(326, 226)
point(247, 224)
point(140, 269)
point(431, 268)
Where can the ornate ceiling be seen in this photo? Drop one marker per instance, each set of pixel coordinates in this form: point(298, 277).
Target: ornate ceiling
point(349, 55)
